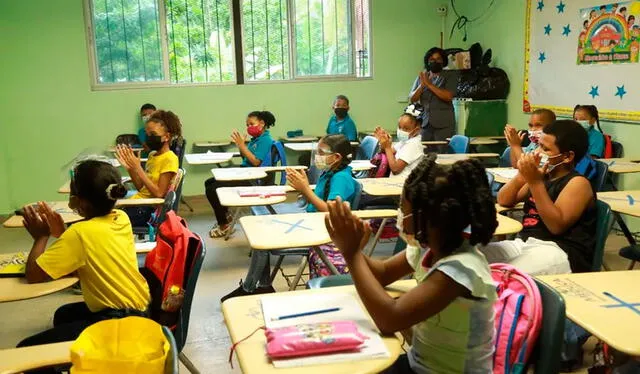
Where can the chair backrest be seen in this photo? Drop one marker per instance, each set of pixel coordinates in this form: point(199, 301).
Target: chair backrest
point(617, 149)
point(490, 178)
point(197, 251)
point(178, 182)
point(597, 182)
point(604, 222)
point(179, 146)
point(357, 195)
point(171, 363)
point(505, 159)
point(546, 353)
point(367, 148)
point(330, 281)
point(169, 202)
point(128, 139)
point(277, 155)
point(459, 144)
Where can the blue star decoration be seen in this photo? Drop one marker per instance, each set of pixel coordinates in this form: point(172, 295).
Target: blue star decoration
point(547, 29)
point(561, 6)
point(540, 5)
point(542, 57)
point(621, 91)
point(594, 92)
point(566, 30)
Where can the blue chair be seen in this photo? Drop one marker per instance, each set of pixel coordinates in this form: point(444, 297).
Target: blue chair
point(171, 363)
point(600, 177)
point(330, 281)
point(546, 354)
point(604, 223)
point(277, 155)
point(617, 149)
point(505, 159)
point(459, 144)
point(367, 148)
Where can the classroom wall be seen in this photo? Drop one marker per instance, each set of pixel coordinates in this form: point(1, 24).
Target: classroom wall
point(50, 114)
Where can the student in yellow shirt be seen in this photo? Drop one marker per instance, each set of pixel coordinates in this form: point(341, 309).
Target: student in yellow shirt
point(100, 250)
point(162, 165)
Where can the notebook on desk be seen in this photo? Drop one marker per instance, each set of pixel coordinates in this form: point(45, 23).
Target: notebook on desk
point(13, 265)
point(275, 306)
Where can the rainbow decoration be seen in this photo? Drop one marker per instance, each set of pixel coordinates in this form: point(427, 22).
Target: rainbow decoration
point(608, 22)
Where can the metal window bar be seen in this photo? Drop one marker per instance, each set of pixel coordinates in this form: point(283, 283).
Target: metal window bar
point(204, 40)
point(126, 43)
point(186, 12)
point(253, 43)
point(173, 35)
point(106, 12)
point(266, 16)
point(144, 61)
point(219, 41)
point(281, 38)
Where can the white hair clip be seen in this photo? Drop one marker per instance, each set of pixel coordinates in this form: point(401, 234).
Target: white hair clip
point(109, 189)
point(412, 111)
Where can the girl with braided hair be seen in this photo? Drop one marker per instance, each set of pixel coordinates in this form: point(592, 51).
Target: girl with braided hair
point(451, 309)
point(587, 116)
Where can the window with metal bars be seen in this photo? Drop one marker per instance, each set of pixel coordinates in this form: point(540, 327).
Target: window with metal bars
point(159, 42)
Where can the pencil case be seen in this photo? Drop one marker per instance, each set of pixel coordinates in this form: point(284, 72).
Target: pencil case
point(294, 133)
point(313, 339)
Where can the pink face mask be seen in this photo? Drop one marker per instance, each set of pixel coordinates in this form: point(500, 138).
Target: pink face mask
point(254, 131)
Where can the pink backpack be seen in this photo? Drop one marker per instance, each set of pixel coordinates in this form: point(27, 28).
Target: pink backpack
point(381, 169)
point(518, 318)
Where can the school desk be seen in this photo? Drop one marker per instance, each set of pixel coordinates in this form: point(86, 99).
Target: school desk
point(497, 174)
point(18, 360)
point(243, 315)
point(622, 165)
point(391, 186)
point(300, 139)
point(448, 159)
point(212, 144)
point(209, 158)
point(607, 304)
point(249, 173)
point(13, 289)
point(62, 207)
point(435, 142)
point(308, 146)
point(483, 141)
point(623, 202)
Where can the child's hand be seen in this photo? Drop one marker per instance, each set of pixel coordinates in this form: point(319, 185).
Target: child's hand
point(529, 168)
point(36, 226)
point(348, 232)
point(53, 220)
point(127, 157)
point(385, 141)
point(513, 138)
point(237, 138)
point(297, 179)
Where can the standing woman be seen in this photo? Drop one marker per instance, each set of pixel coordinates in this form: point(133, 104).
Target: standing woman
point(434, 89)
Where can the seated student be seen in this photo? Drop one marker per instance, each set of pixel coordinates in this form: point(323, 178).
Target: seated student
point(154, 180)
point(145, 113)
point(340, 122)
point(540, 118)
point(450, 311)
point(404, 155)
point(336, 181)
point(587, 116)
point(258, 125)
point(559, 207)
point(99, 250)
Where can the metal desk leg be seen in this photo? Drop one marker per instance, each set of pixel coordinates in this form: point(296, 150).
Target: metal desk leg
point(377, 237)
point(185, 202)
point(325, 259)
point(296, 279)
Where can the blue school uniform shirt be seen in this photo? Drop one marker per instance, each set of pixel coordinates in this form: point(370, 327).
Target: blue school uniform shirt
point(342, 184)
point(596, 142)
point(345, 126)
point(260, 147)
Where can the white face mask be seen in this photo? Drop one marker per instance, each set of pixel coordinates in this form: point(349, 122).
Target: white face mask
point(585, 124)
point(145, 118)
point(402, 135)
point(544, 160)
point(410, 239)
point(534, 135)
point(321, 162)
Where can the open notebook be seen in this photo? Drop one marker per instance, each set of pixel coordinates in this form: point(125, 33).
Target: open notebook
point(274, 306)
point(13, 265)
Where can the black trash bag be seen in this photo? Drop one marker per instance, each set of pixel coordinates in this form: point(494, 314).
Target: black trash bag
point(482, 82)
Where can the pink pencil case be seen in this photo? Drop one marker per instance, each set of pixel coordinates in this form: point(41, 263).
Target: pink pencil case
point(313, 339)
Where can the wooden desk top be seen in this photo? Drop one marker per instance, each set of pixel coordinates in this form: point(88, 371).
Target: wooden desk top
point(139, 202)
point(507, 226)
point(65, 188)
point(210, 158)
point(230, 197)
point(391, 186)
point(622, 165)
point(301, 139)
point(447, 159)
point(625, 202)
point(499, 174)
point(220, 143)
point(62, 207)
point(238, 174)
point(482, 140)
point(361, 165)
point(243, 315)
point(17, 360)
point(295, 230)
point(435, 142)
point(13, 289)
point(593, 301)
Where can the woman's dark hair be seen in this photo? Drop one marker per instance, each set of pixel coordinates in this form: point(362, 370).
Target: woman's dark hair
point(337, 143)
point(98, 183)
point(450, 199)
point(169, 120)
point(570, 137)
point(267, 117)
point(432, 52)
point(147, 106)
point(593, 112)
point(416, 112)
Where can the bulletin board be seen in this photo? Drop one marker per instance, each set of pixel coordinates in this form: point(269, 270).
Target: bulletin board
point(583, 52)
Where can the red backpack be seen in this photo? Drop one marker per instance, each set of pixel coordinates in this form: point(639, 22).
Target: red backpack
point(167, 265)
point(608, 146)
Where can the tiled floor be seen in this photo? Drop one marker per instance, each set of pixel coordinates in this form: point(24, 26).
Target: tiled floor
point(225, 264)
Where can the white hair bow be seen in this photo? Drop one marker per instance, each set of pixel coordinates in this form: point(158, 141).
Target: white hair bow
point(411, 110)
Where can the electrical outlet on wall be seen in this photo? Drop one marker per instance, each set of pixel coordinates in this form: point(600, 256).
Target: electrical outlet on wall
point(442, 10)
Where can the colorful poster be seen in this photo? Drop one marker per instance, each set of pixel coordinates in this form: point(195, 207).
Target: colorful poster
point(610, 33)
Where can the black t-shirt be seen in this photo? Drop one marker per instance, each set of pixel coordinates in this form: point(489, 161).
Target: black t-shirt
point(578, 241)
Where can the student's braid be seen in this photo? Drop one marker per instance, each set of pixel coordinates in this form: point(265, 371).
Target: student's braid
point(596, 115)
point(416, 191)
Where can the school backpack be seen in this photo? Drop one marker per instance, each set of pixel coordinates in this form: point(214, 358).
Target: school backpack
point(587, 167)
point(165, 266)
point(608, 146)
point(518, 318)
point(381, 166)
point(317, 267)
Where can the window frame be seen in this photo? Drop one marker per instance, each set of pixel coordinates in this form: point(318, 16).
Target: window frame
point(164, 47)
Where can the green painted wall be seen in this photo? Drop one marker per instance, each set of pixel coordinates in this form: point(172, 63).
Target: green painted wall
point(50, 114)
